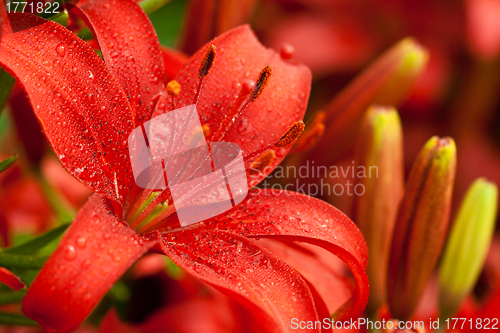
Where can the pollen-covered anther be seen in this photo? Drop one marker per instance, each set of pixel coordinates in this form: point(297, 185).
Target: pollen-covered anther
point(291, 135)
point(207, 62)
point(261, 83)
point(261, 163)
point(173, 88)
point(313, 134)
point(206, 129)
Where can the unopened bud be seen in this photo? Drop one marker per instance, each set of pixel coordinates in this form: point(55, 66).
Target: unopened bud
point(421, 225)
point(468, 245)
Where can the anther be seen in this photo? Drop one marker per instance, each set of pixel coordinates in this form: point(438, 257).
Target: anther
point(262, 82)
point(206, 130)
point(236, 110)
point(173, 88)
point(205, 66)
point(207, 62)
point(261, 163)
point(291, 135)
point(314, 133)
point(286, 139)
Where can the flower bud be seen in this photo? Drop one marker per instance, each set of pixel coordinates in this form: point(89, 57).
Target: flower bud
point(468, 245)
point(386, 82)
point(421, 225)
point(379, 160)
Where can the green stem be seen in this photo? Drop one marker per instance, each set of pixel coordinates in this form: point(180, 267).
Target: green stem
point(12, 297)
point(13, 319)
point(21, 261)
point(57, 201)
point(150, 6)
point(6, 84)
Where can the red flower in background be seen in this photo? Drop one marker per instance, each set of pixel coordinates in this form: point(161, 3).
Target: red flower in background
point(3, 15)
point(87, 108)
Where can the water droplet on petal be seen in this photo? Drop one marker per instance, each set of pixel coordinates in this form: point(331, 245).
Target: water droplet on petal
point(70, 253)
point(60, 49)
point(303, 225)
point(81, 242)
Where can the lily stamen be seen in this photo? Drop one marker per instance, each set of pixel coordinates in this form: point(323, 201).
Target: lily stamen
point(204, 69)
point(249, 93)
point(285, 140)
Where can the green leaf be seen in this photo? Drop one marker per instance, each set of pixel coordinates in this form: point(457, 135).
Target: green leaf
point(150, 6)
point(168, 21)
point(467, 245)
point(6, 84)
point(5, 164)
point(13, 319)
point(12, 297)
point(21, 261)
point(37, 243)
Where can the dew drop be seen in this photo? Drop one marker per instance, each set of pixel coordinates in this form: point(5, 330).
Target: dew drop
point(70, 253)
point(60, 49)
point(81, 242)
point(287, 51)
point(303, 225)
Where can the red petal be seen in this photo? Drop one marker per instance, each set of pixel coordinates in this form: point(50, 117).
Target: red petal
point(240, 57)
point(27, 127)
point(214, 313)
point(291, 216)
point(112, 324)
point(94, 253)
point(10, 279)
point(206, 19)
point(245, 271)
point(322, 277)
point(200, 16)
point(3, 17)
point(174, 60)
point(130, 48)
point(81, 107)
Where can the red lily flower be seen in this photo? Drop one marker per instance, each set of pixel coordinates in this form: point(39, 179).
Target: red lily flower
point(178, 301)
point(88, 108)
